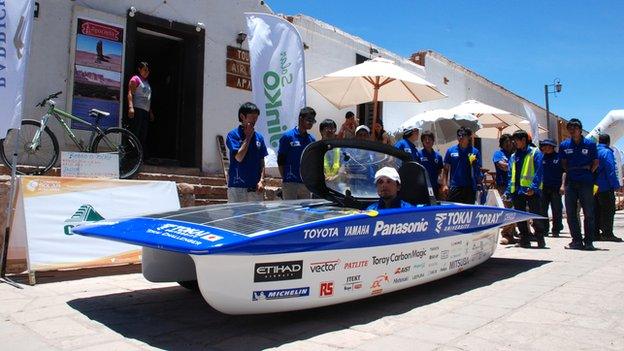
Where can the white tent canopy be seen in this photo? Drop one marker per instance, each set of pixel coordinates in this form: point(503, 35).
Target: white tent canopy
point(612, 124)
point(495, 133)
point(489, 116)
point(442, 123)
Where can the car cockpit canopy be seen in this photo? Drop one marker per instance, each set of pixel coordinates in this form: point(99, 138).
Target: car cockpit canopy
point(343, 171)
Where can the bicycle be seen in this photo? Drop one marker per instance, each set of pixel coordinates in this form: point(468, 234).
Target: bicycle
point(38, 147)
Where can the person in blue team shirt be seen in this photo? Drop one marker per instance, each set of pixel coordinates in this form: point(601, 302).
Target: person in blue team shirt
point(247, 152)
point(388, 185)
point(431, 160)
point(607, 182)
point(525, 181)
point(291, 146)
point(552, 188)
point(579, 160)
point(501, 165)
point(408, 143)
point(462, 164)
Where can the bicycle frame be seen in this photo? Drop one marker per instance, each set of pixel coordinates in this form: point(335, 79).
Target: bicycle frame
point(58, 114)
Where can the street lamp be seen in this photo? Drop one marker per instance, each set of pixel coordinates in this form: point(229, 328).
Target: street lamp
point(556, 88)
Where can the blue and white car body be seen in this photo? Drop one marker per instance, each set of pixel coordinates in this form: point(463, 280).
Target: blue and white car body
point(290, 255)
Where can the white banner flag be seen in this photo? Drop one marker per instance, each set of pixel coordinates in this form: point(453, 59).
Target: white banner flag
point(533, 121)
point(16, 19)
point(277, 76)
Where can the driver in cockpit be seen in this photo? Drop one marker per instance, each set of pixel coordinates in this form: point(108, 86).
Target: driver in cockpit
point(388, 184)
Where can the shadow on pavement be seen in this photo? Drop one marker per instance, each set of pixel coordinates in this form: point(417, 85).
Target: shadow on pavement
point(174, 318)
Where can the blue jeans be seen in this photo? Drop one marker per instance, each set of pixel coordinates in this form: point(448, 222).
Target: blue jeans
point(551, 197)
point(580, 192)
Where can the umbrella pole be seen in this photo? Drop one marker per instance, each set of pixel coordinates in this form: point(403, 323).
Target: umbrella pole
point(375, 103)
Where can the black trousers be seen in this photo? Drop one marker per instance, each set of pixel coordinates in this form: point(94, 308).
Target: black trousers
point(138, 126)
point(529, 204)
point(464, 194)
point(551, 197)
point(604, 212)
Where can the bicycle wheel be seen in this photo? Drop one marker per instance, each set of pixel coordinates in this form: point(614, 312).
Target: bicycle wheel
point(30, 160)
point(123, 143)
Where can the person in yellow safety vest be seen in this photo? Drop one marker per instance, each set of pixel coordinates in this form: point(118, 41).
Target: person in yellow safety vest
point(331, 163)
point(524, 187)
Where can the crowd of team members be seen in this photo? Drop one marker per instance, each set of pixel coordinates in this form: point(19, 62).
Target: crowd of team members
point(527, 177)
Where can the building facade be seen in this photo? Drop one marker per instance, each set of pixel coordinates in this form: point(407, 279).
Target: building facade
point(89, 49)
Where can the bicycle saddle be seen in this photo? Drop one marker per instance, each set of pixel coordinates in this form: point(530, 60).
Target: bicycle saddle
point(97, 113)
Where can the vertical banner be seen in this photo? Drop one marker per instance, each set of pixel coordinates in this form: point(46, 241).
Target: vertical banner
point(16, 21)
point(97, 72)
point(534, 125)
point(277, 76)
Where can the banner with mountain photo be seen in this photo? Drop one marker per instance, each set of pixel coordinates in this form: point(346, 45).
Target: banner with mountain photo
point(97, 71)
point(49, 207)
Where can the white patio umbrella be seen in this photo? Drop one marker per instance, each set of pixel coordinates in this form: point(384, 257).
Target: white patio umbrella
point(489, 116)
point(376, 80)
point(495, 133)
point(442, 123)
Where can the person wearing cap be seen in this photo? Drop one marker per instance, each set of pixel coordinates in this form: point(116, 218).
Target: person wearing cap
point(552, 186)
point(362, 132)
point(462, 169)
point(524, 187)
point(606, 182)
point(579, 160)
point(501, 165)
point(347, 129)
point(388, 184)
point(291, 146)
point(431, 160)
point(408, 143)
point(247, 152)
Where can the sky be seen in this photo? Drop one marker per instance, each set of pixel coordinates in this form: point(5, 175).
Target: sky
point(521, 45)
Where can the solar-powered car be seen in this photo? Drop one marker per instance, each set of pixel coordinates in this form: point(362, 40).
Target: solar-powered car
point(289, 255)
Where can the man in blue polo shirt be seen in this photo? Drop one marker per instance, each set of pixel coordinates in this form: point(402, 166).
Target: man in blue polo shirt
point(431, 160)
point(552, 189)
point(501, 165)
point(291, 146)
point(607, 182)
point(247, 152)
point(579, 160)
point(462, 164)
point(408, 143)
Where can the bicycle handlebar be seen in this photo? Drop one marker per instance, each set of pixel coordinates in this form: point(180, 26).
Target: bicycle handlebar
point(51, 96)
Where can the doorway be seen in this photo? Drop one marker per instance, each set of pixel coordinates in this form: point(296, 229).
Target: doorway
point(175, 53)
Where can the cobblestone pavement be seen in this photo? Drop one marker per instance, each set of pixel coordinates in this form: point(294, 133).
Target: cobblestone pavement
point(519, 300)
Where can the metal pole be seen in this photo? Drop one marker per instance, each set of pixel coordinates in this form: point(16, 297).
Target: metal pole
point(547, 110)
point(9, 216)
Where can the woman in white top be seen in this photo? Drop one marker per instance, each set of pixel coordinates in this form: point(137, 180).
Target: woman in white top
point(139, 101)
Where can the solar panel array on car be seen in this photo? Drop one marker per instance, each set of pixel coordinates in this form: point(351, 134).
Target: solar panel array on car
point(253, 218)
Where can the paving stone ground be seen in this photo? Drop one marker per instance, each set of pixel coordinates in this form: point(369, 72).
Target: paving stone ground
point(549, 299)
